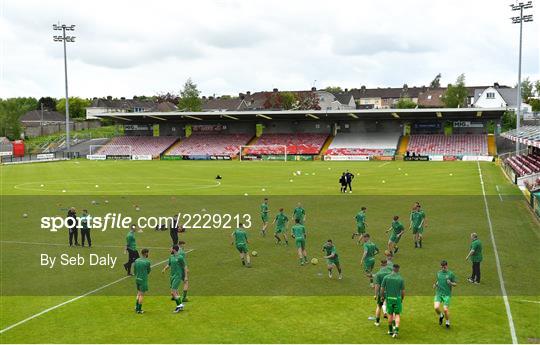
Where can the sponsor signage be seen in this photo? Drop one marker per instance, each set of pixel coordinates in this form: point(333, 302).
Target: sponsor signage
point(478, 158)
point(208, 128)
point(96, 157)
point(416, 158)
point(141, 157)
point(436, 158)
point(171, 158)
point(119, 157)
point(5, 153)
point(138, 127)
point(45, 156)
point(462, 124)
point(220, 157)
point(347, 158)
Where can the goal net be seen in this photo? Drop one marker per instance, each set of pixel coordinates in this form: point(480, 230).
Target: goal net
point(263, 152)
point(111, 150)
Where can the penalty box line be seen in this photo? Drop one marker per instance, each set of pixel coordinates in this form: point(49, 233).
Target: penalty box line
point(497, 261)
point(76, 298)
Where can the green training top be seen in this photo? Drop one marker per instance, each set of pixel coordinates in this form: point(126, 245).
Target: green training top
point(360, 218)
point(299, 231)
point(264, 209)
point(176, 264)
point(476, 245)
point(371, 249)
point(417, 217)
point(393, 284)
point(240, 236)
point(299, 213)
point(330, 250)
point(443, 288)
point(130, 240)
point(397, 227)
point(142, 268)
point(281, 219)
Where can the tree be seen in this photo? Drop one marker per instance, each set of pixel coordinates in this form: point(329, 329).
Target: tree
point(11, 110)
point(456, 94)
point(77, 107)
point(167, 97)
point(405, 103)
point(308, 101)
point(436, 83)
point(225, 97)
point(334, 89)
point(526, 89)
point(537, 87)
point(49, 103)
point(189, 97)
point(508, 121)
point(287, 100)
point(535, 104)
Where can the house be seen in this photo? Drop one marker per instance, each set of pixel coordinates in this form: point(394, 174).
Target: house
point(123, 105)
point(222, 103)
point(431, 98)
point(385, 98)
point(38, 118)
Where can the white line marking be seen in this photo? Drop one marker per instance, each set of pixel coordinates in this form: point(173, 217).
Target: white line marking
point(75, 299)
point(497, 261)
point(379, 166)
point(528, 301)
point(65, 245)
point(498, 192)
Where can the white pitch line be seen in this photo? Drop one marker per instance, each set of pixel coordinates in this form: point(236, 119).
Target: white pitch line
point(65, 245)
point(528, 301)
point(75, 299)
point(498, 262)
point(498, 192)
point(379, 166)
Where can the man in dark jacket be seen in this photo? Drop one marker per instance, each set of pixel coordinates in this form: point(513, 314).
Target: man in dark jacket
point(73, 231)
point(348, 178)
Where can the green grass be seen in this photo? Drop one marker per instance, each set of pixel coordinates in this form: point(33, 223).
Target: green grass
point(277, 300)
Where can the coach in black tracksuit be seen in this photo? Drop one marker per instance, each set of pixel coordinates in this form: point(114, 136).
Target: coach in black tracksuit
point(174, 231)
point(348, 178)
point(85, 228)
point(73, 231)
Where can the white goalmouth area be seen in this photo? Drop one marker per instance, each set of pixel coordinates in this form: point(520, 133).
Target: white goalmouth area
point(111, 150)
point(255, 152)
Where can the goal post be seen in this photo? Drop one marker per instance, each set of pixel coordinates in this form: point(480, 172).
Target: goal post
point(244, 151)
point(112, 150)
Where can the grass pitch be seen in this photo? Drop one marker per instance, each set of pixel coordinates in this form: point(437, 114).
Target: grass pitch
point(277, 300)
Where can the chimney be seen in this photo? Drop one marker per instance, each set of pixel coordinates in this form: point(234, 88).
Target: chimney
point(313, 88)
point(275, 89)
point(109, 98)
point(363, 87)
point(496, 85)
point(210, 97)
point(248, 93)
point(123, 98)
point(346, 90)
point(203, 97)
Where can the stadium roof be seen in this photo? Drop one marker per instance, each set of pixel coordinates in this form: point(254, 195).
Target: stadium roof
point(453, 114)
point(528, 135)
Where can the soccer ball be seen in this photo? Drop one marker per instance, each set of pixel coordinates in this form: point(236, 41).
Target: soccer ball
point(25, 215)
point(245, 194)
point(264, 189)
point(314, 261)
point(63, 191)
point(254, 253)
point(97, 186)
point(137, 209)
point(106, 201)
point(93, 202)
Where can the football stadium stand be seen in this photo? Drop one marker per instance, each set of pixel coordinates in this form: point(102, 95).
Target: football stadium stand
point(140, 145)
point(529, 135)
point(296, 143)
point(368, 144)
point(440, 144)
point(211, 144)
point(524, 164)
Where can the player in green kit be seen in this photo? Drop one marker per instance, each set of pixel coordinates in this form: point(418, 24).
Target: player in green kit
point(418, 222)
point(281, 225)
point(393, 292)
point(299, 214)
point(264, 216)
point(298, 232)
point(368, 258)
point(379, 276)
point(142, 268)
point(240, 240)
point(332, 258)
point(182, 252)
point(445, 281)
point(178, 274)
point(396, 230)
point(360, 224)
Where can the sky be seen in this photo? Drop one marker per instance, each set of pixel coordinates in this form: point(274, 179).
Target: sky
point(127, 48)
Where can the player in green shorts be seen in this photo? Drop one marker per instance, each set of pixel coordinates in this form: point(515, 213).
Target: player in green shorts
point(183, 253)
point(178, 275)
point(264, 216)
point(393, 292)
point(281, 224)
point(418, 222)
point(445, 281)
point(360, 224)
point(142, 268)
point(396, 230)
point(368, 259)
point(379, 276)
point(332, 258)
point(240, 240)
point(299, 214)
point(298, 232)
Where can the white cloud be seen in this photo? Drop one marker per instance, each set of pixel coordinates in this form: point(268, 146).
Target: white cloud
point(126, 48)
